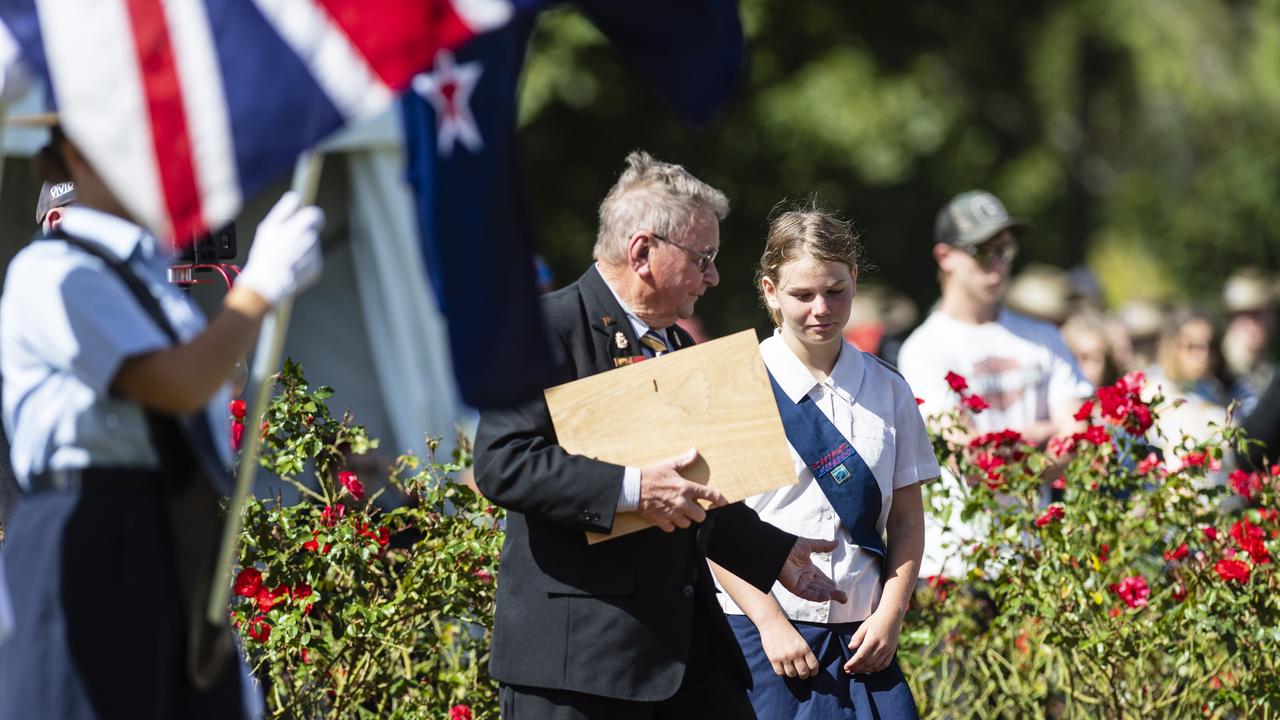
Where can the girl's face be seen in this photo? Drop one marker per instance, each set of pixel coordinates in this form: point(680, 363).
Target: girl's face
point(813, 298)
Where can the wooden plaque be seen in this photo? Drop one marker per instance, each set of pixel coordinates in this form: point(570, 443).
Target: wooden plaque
point(714, 397)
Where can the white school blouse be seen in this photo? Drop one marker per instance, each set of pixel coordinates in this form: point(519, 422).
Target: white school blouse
point(874, 408)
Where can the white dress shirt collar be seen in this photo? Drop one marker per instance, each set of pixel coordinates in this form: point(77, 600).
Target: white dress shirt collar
point(796, 380)
point(114, 233)
point(639, 326)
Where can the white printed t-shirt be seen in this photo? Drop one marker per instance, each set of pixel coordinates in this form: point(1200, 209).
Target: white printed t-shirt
point(1020, 366)
point(874, 409)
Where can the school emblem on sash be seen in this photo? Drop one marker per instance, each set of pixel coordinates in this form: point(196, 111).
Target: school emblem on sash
point(840, 473)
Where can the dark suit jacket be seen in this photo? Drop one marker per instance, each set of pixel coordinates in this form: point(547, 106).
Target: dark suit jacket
point(615, 618)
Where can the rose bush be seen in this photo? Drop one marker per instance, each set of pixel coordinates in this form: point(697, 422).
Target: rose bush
point(347, 610)
point(1144, 590)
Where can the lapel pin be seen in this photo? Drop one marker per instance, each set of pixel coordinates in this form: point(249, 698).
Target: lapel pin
point(607, 320)
point(620, 340)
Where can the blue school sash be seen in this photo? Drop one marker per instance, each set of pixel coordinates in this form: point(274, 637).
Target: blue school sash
point(840, 471)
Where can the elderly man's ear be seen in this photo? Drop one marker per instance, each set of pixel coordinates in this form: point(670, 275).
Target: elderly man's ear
point(638, 249)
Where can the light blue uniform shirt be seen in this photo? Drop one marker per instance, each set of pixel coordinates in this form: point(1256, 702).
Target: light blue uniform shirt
point(67, 323)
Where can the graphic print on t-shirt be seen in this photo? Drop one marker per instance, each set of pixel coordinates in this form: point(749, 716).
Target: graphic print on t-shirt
point(1003, 381)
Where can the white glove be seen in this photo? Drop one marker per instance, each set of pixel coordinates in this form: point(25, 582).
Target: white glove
point(285, 256)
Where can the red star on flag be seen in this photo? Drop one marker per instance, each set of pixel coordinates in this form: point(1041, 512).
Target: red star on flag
point(448, 87)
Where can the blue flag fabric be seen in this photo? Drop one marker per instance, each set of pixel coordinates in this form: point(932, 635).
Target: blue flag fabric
point(476, 242)
point(460, 123)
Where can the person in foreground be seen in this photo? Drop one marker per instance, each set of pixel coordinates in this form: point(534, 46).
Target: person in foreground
point(861, 452)
point(628, 628)
point(113, 384)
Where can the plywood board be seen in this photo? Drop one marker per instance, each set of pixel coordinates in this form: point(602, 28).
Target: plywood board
point(714, 397)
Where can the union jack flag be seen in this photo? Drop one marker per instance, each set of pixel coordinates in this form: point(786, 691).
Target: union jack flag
point(187, 107)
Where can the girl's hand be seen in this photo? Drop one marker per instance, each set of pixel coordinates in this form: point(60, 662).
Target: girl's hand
point(787, 651)
point(874, 643)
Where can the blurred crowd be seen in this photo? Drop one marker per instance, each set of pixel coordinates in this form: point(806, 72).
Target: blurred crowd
point(1217, 360)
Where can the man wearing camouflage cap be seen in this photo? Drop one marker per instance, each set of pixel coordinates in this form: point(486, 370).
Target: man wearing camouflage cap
point(1020, 366)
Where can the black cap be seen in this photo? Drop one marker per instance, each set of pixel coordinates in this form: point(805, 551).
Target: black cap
point(54, 196)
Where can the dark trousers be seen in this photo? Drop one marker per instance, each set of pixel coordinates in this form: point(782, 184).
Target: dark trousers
point(712, 688)
point(99, 627)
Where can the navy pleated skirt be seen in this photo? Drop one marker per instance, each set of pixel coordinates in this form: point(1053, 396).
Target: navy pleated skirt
point(832, 694)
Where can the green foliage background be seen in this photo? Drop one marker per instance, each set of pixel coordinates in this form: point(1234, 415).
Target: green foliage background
point(1138, 136)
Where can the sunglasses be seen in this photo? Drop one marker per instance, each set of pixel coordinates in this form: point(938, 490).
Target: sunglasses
point(991, 252)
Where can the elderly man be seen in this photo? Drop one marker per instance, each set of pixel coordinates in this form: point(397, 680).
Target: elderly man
point(628, 628)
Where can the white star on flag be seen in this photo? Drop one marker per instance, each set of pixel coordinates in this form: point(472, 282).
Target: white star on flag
point(448, 88)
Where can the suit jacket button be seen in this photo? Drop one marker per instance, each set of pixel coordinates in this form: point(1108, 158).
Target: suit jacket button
point(687, 590)
point(590, 516)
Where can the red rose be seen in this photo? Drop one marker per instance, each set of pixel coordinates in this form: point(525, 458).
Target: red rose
point(1249, 538)
point(237, 434)
point(957, 382)
point(1104, 552)
point(1275, 470)
point(248, 582)
point(1149, 463)
point(1133, 591)
point(305, 655)
point(1232, 570)
point(384, 536)
point(331, 514)
point(1177, 553)
point(1245, 483)
point(301, 590)
point(313, 544)
point(266, 600)
point(325, 550)
point(1086, 409)
point(1094, 434)
point(1060, 446)
point(237, 409)
point(459, 712)
point(1051, 513)
point(1132, 382)
point(1210, 533)
point(259, 629)
point(1194, 459)
point(975, 403)
point(352, 484)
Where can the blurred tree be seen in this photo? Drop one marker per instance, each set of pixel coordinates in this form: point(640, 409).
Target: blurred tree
point(1120, 128)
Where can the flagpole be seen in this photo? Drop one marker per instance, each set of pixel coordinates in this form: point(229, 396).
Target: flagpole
point(270, 349)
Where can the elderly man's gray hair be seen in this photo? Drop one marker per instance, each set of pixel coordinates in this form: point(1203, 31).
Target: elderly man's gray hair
point(651, 195)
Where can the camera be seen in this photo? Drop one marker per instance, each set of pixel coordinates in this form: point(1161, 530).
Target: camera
point(217, 247)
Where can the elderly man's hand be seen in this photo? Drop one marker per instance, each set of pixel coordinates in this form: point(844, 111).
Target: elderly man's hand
point(668, 500)
point(803, 578)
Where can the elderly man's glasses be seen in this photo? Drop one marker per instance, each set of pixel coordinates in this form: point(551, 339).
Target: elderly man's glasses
point(704, 259)
point(989, 253)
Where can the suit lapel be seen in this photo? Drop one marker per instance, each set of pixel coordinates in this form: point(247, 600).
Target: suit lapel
point(612, 334)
